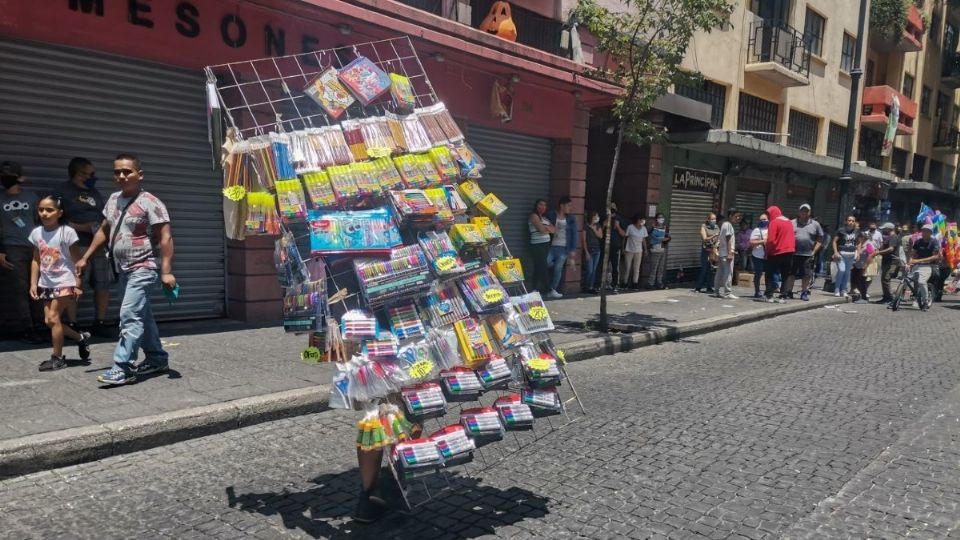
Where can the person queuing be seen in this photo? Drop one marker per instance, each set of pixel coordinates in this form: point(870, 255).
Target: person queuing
point(633, 252)
point(83, 210)
point(890, 259)
point(617, 234)
point(540, 231)
point(846, 245)
point(808, 238)
point(779, 250)
point(53, 278)
point(709, 238)
point(592, 235)
point(136, 232)
point(727, 250)
point(17, 220)
point(743, 246)
point(563, 245)
point(758, 238)
point(657, 239)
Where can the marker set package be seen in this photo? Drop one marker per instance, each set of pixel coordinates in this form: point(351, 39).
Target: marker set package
point(416, 458)
point(514, 413)
point(483, 291)
point(460, 384)
point(540, 369)
point(444, 305)
point(424, 401)
point(542, 401)
point(482, 424)
point(531, 312)
point(454, 445)
point(405, 321)
point(495, 374)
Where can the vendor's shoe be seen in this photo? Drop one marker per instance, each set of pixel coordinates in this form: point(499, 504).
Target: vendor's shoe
point(369, 508)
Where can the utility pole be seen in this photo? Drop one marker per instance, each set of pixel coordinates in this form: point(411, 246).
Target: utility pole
point(855, 75)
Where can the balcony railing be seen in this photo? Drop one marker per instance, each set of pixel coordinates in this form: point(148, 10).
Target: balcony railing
point(533, 29)
point(878, 105)
point(948, 139)
point(950, 73)
point(773, 42)
point(430, 6)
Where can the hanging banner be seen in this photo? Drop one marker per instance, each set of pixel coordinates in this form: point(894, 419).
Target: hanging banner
point(891, 131)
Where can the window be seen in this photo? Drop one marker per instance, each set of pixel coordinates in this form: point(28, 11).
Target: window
point(936, 172)
point(847, 52)
point(710, 93)
point(919, 164)
point(925, 100)
point(898, 164)
point(758, 114)
point(871, 143)
point(908, 82)
point(803, 131)
point(935, 26)
point(943, 104)
point(836, 140)
point(813, 32)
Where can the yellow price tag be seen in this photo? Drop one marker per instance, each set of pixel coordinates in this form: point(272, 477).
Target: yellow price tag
point(562, 356)
point(446, 263)
point(421, 368)
point(539, 364)
point(492, 296)
point(378, 152)
point(538, 313)
point(235, 193)
point(310, 354)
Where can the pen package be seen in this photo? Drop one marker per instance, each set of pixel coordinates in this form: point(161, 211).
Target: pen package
point(482, 424)
point(460, 384)
point(475, 345)
point(539, 369)
point(423, 401)
point(483, 291)
point(542, 401)
point(532, 315)
point(405, 321)
point(495, 374)
point(454, 445)
point(514, 413)
point(444, 305)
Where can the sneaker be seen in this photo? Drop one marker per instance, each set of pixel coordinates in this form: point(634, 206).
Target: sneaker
point(781, 300)
point(117, 376)
point(789, 295)
point(838, 294)
point(731, 296)
point(805, 296)
point(55, 362)
point(553, 295)
point(83, 346)
point(149, 368)
point(770, 300)
point(710, 290)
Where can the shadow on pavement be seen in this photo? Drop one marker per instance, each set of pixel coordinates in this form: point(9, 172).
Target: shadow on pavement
point(324, 511)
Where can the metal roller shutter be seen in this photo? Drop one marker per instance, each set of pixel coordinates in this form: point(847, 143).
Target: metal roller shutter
point(61, 102)
point(751, 205)
point(688, 210)
point(518, 172)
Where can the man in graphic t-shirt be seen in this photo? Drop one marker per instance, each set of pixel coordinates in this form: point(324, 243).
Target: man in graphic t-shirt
point(18, 206)
point(136, 233)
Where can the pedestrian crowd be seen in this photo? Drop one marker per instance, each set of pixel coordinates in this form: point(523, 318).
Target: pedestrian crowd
point(54, 245)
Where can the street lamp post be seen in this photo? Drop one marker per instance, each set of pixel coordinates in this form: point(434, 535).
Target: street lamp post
point(855, 75)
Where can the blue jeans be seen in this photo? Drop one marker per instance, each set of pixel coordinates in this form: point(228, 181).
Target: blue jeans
point(757, 272)
point(705, 280)
point(557, 261)
point(138, 330)
point(591, 269)
point(844, 266)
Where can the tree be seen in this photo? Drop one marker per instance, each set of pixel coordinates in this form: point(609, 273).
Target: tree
point(644, 43)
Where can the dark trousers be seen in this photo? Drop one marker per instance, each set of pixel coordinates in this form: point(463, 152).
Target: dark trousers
point(887, 271)
point(541, 276)
point(614, 265)
point(858, 279)
point(705, 280)
point(757, 272)
point(20, 311)
point(774, 268)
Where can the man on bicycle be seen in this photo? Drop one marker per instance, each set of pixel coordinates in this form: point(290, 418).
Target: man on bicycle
point(924, 256)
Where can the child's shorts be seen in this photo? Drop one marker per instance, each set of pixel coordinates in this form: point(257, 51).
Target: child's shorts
point(46, 293)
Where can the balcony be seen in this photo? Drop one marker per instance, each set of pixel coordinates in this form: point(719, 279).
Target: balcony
point(910, 41)
point(779, 54)
point(877, 104)
point(948, 140)
point(533, 29)
point(950, 75)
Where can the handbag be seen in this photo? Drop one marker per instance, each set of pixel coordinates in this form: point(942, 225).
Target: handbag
point(113, 237)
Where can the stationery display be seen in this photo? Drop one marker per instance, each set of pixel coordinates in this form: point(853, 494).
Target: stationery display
point(482, 424)
point(352, 231)
point(454, 445)
point(514, 413)
point(460, 384)
point(496, 373)
point(532, 313)
point(542, 401)
point(475, 345)
point(424, 401)
point(483, 291)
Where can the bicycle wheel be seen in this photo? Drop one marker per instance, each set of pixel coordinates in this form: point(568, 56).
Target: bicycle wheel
point(929, 300)
point(898, 297)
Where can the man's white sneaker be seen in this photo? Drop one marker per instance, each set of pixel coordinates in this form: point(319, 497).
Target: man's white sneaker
point(731, 297)
point(553, 295)
point(837, 294)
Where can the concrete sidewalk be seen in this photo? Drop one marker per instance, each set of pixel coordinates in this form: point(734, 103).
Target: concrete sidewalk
point(226, 374)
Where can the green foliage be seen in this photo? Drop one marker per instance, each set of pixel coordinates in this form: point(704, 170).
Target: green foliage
point(644, 45)
point(889, 18)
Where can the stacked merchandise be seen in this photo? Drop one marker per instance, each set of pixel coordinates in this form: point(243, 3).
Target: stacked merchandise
point(407, 283)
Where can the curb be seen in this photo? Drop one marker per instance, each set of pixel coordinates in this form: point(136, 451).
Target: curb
point(586, 349)
point(35, 453)
point(55, 449)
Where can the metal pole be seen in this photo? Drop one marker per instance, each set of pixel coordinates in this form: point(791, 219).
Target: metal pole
point(855, 75)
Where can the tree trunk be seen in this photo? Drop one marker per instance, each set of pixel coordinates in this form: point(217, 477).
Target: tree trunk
point(609, 230)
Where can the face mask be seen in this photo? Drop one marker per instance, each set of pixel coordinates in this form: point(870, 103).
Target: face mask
point(91, 181)
point(763, 223)
point(712, 222)
point(9, 181)
point(660, 221)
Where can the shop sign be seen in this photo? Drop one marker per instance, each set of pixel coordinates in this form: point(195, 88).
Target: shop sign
point(694, 180)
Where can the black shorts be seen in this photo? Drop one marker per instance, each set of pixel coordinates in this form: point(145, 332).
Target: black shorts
point(800, 265)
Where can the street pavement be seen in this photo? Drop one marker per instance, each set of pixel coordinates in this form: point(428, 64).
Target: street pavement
point(839, 422)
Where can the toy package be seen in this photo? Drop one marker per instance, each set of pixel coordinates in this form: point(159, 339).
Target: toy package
point(483, 425)
point(352, 231)
point(413, 203)
point(474, 340)
point(364, 79)
point(457, 204)
point(291, 270)
point(460, 384)
point(514, 413)
point(504, 332)
point(402, 92)
point(327, 90)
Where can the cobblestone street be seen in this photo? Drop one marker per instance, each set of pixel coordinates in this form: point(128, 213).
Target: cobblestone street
point(840, 422)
